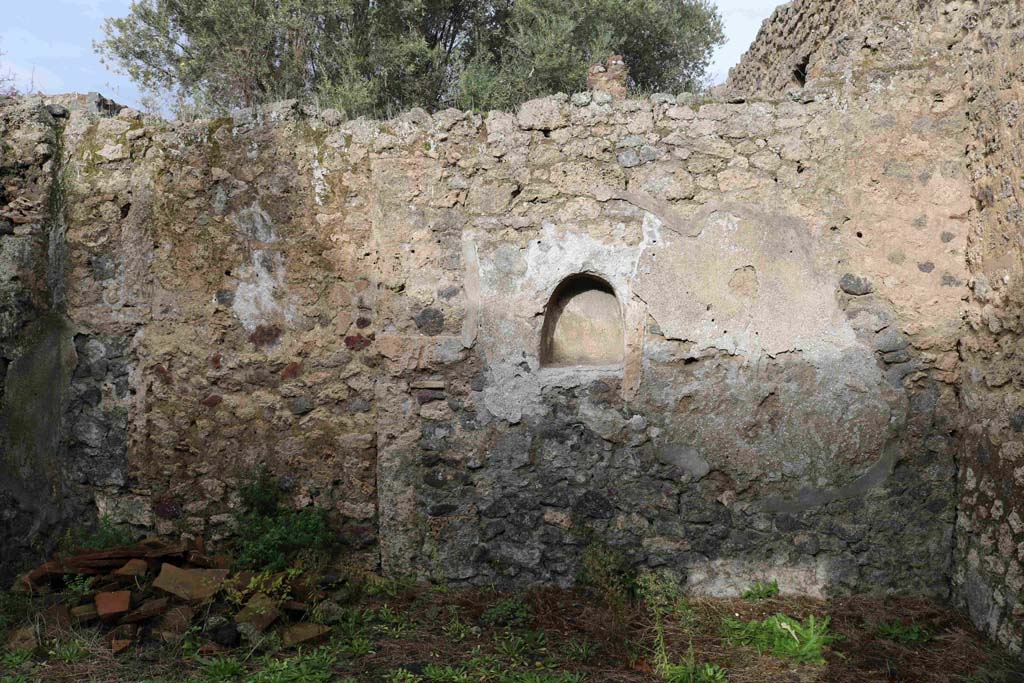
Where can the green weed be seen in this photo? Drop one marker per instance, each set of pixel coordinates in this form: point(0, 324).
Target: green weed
point(898, 632)
point(271, 537)
point(688, 672)
point(221, 669)
point(106, 534)
point(69, 651)
point(761, 590)
point(512, 647)
point(608, 574)
point(14, 609)
point(783, 637)
point(661, 594)
point(356, 647)
point(446, 674)
point(12, 660)
point(511, 612)
point(402, 676)
point(539, 677)
point(581, 650)
point(314, 667)
point(484, 665)
point(262, 495)
point(79, 585)
point(456, 629)
point(390, 588)
point(19, 678)
point(391, 622)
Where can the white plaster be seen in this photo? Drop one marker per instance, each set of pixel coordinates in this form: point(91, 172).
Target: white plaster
point(260, 297)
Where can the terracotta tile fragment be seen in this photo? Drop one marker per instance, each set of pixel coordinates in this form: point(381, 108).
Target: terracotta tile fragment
point(134, 567)
point(192, 585)
point(303, 633)
point(112, 604)
point(260, 612)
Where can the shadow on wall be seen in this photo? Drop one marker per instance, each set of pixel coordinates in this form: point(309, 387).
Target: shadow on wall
point(582, 324)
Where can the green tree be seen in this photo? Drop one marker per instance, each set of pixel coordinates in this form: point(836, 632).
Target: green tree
point(380, 56)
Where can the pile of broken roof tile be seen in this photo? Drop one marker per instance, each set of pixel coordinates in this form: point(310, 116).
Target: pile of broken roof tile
point(155, 590)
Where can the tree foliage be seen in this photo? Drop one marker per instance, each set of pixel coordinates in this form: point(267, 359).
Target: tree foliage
point(380, 56)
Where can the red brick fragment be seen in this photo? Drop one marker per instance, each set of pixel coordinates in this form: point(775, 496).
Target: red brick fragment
point(119, 646)
point(265, 335)
point(303, 634)
point(147, 610)
point(111, 605)
point(260, 612)
point(291, 371)
point(83, 614)
point(357, 342)
point(134, 567)
point(192, 585)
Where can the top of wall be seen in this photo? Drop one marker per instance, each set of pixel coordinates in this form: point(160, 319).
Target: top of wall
point(828, 43)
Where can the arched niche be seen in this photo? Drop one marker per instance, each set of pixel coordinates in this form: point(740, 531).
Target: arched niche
point(582, 325)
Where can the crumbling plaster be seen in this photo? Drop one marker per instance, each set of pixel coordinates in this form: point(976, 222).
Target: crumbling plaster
point(359, 305)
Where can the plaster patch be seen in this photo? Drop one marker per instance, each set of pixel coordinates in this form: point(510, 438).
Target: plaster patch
point(728, 578)
point(260, 297)
point(747, 282)
point(319, 180)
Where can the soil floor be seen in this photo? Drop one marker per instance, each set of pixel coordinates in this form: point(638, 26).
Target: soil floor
point(394, 633)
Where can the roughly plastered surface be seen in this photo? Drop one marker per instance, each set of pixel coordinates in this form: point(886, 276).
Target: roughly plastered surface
point(359, 306)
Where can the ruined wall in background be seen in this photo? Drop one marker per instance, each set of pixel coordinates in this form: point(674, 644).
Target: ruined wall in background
point(851, 43)
point(981, 40)
point(36, 351)
point(989, 577)
point(359, 306)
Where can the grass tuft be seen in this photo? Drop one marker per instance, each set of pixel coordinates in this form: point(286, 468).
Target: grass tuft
point(221, 670)
point(688, 672)
point(106, 534)
point(511, 612)
point(761, 590)
point(784, 637)
point(904, 634)
point(69, 650)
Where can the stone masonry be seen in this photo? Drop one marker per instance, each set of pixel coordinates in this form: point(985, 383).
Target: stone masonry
point(816, 273)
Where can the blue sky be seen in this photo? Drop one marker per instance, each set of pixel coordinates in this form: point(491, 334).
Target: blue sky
point(48, 43)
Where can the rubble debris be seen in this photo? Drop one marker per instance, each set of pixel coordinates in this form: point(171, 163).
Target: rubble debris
point(154, 590)
point(193, 585)
point(303, 633)
point(259, 613)
point(111, 605)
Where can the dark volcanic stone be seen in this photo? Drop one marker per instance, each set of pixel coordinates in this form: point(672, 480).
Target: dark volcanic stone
point(430, 321)
point(58, 111)
point(855, 285)
point(300, 405)
point(595, 505)
point(226, 634)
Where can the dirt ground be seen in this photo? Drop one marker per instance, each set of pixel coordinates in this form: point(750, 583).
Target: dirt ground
point(394, 633)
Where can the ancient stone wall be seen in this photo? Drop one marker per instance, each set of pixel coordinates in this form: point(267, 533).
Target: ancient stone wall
point(989, 577)
point(980, 41)
point(360, 306)
point(34, 350)
point(838, 44)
